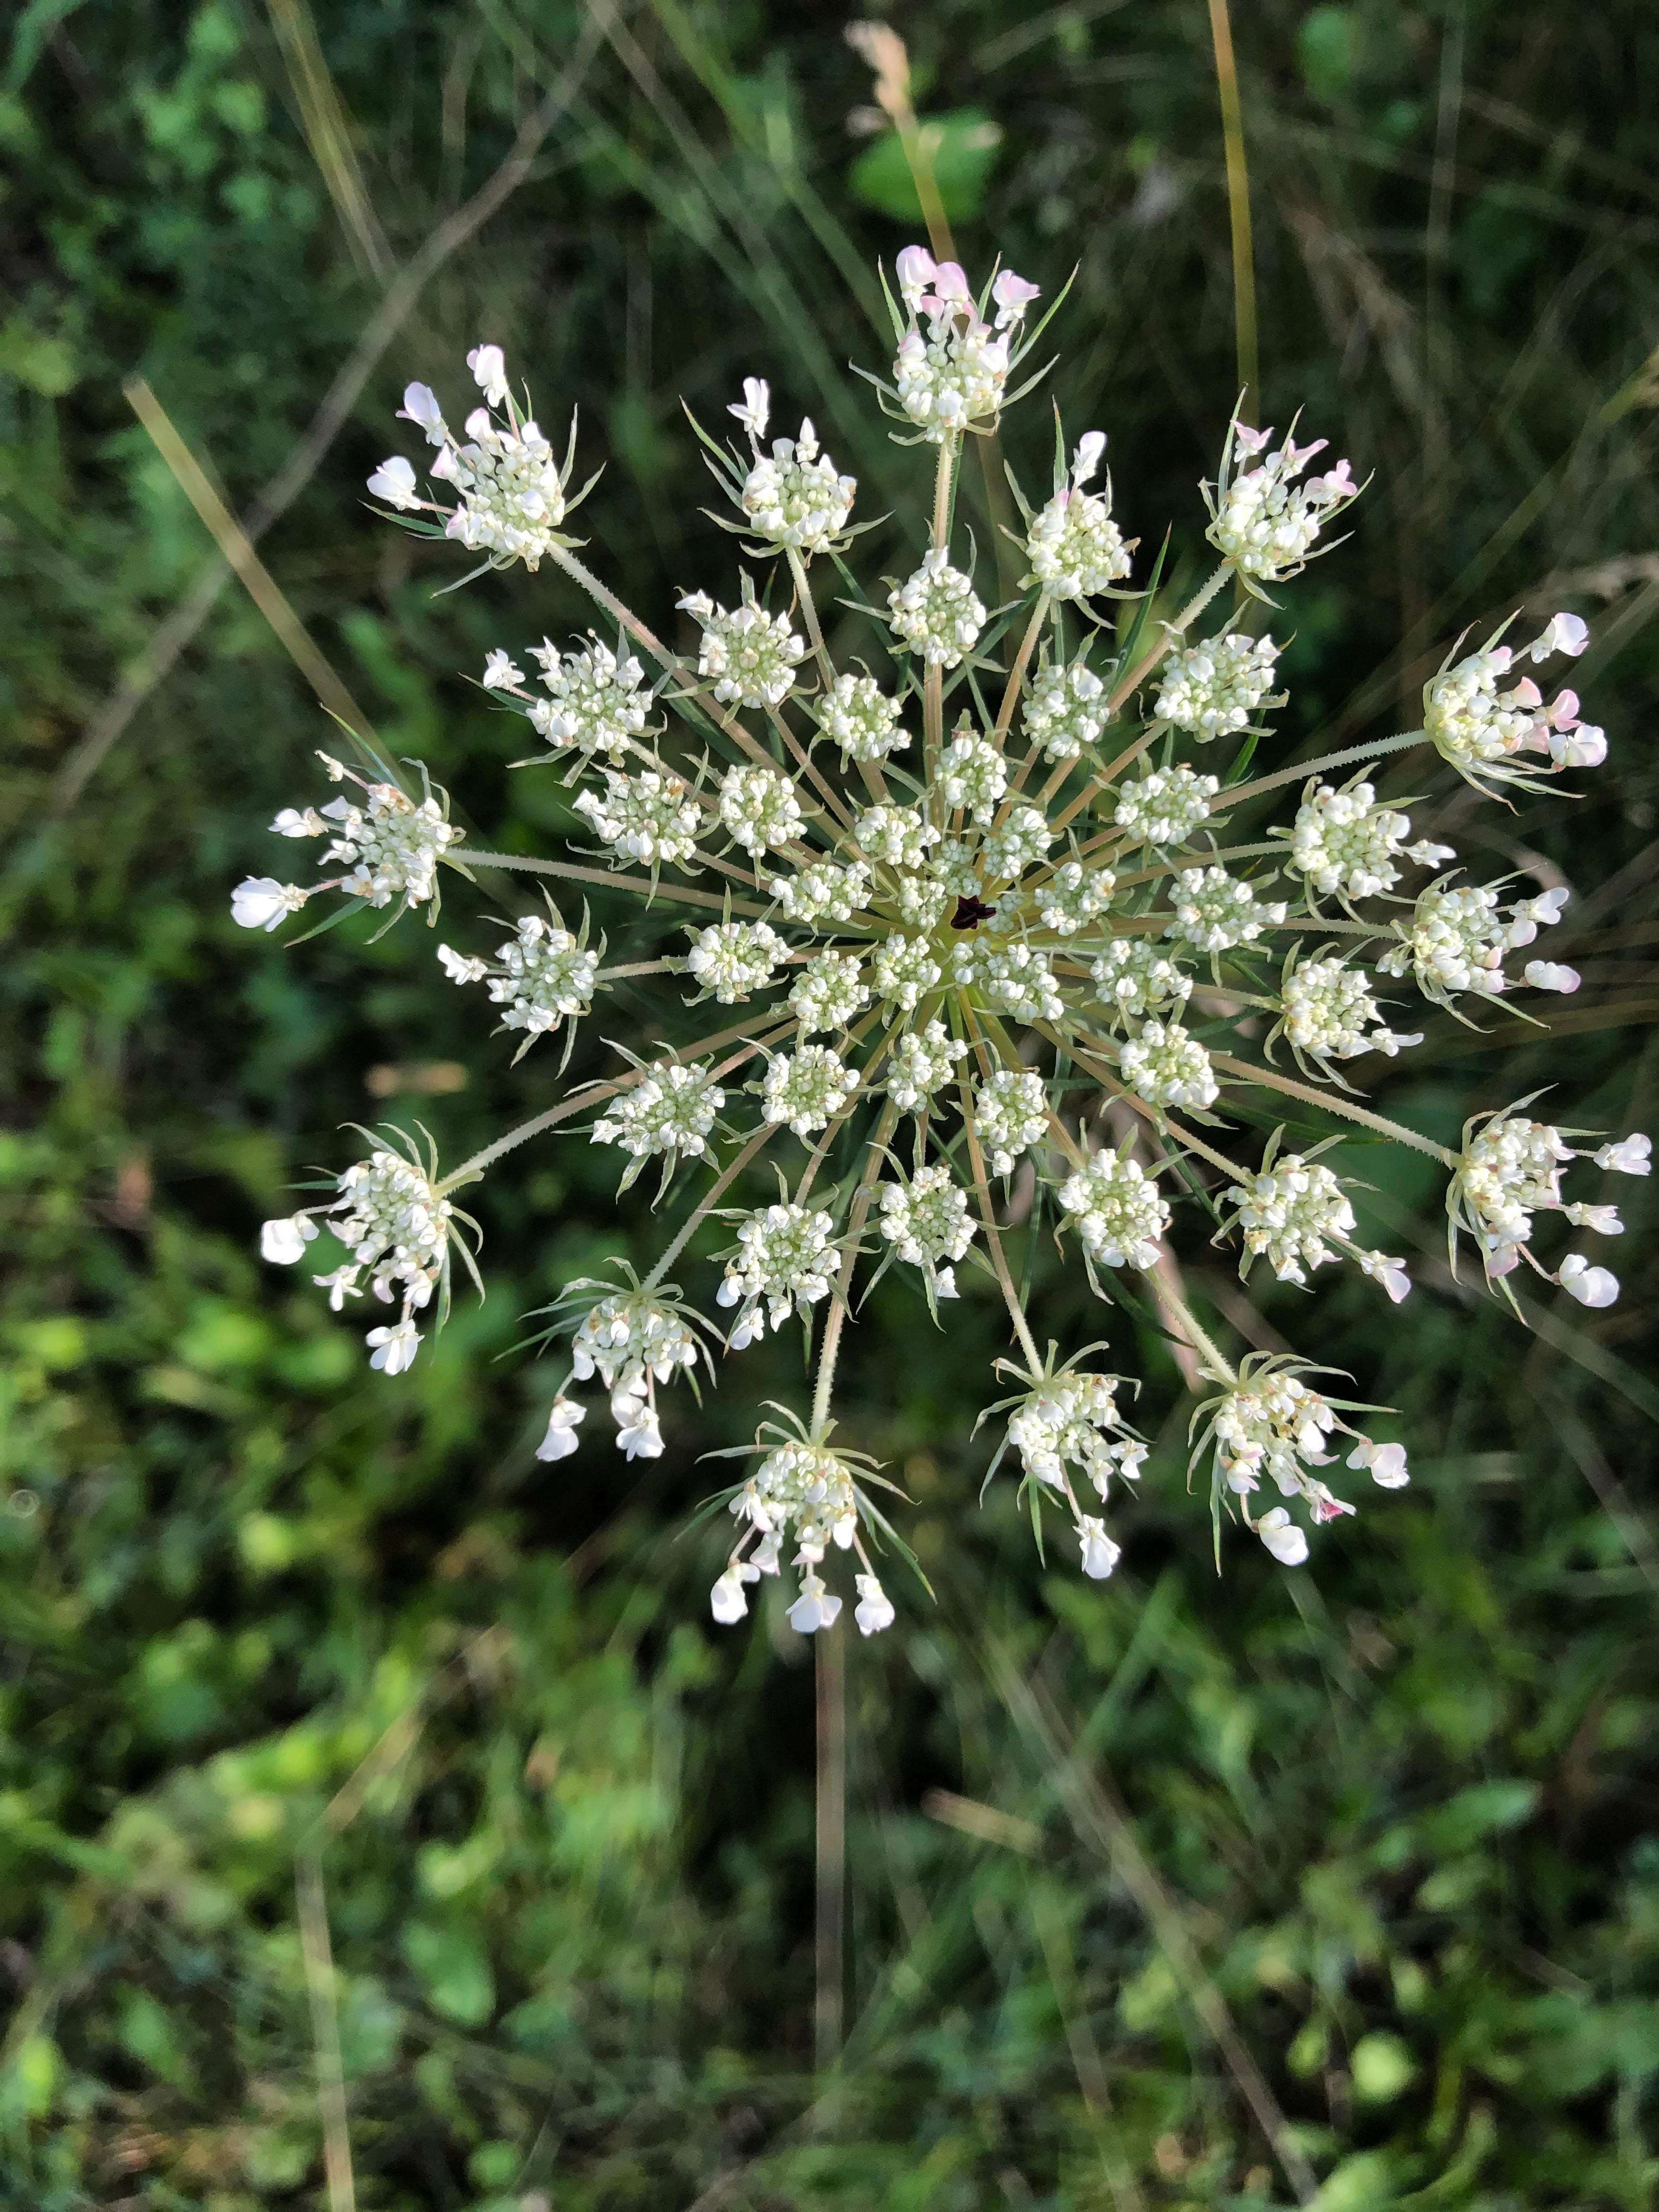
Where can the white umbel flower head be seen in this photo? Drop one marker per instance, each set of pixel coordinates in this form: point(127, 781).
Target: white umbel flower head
point(1456, 939)
point(1482, 731)
point(1018, 842)
point(732, 959)
point(669, 1112)
point(829, 992)
point(973, 775)
point(1075, 549)
point(633, 1340)
point(509, 489)
point(1214, 911)
point(858, 715)
point(1294, 1213)
point(895, 836)
point(595, 704)
point(1212, 690)
point(1072, 1419)
point(784, 1262)
point(923, 1061)
point(1065, 709)
point(951, 378)
point(1117, 1210)
point(1010, 1113)
point(1261, 518)
point(1328, 1012)
point(795, 496)
point(1165, 805)
point(1510, 1169)
point(650, 817)
point(751, 656)
point(926, 1221)
point(1015, 979)
point(1136, 976)
point(1074, 896)
point(936, 613)
point(543, 975)
point(1166, 1067)
point(903, 971)
point(807, 1087)
point(1343, 842)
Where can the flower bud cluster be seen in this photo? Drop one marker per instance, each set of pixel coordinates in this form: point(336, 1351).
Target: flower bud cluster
point(973, 775)
point(1019, 843)
point(1480, 729)
point(903, 970)
point(650, 817)
point(806, 1087)
point(1344, 842)
point(545, 974)
point(1510, 1169)
point(1065, 709)
point(954, 376)
point(936, 611)
point(671, 1110)
point(784, 1262)
point(752, 655)
point(895, 836)
point(1135, 976)
point(1212, 690)
point(1166, 805)
point(794, 495)
point(1214, 911)
point(1074, 896)
point(922, 1061)
point(1075, 549)
point(1270, 1422)
point(1328, 1012)
point(1073, 1418)
point(1457, 938)
point(1011, 979)
point(926, 1221)
point(1262, 519)
point(509, 488)
point(860, 717)
point(1167, 1067)
point(829, 992)
point(395, 1223)
point(824, 891)
point(1116, 1209)
point(730, 959)
point(595, 705)
point(1296, 1214)
point(632, 1340)
point(1011, 1115)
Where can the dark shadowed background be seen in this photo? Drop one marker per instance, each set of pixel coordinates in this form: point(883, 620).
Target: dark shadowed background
point(1140, 1876)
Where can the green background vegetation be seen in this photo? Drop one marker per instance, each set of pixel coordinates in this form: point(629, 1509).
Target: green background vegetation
point(1390, 1815)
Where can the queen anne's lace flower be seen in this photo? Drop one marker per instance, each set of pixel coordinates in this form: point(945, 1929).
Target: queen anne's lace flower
point(1075, 549)
point(1116, 1209)
point(752, 655)
point(1214, 911)
point(784, 1262)
point(860, 717)
point(794, 495)
point(829, 992)
point(948, 939)
point(1212, 690)
point(937, 612)
point(923, 1060)
point(1329, 1012)
point(1010, 1114)
point(595, 704)
point(1167, 1067)
point(1165, 806)
point(1064, 710)
point(545, 974)
point(806, 1087)
point(650, 817)
point(731, 959)
point(1261, 518)
point(1344, 842)
point(671, 1109)
point(973, 775)
point(926, 1221)
point(1135, 976)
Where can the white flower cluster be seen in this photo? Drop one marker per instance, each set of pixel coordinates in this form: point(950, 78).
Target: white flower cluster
point(1480, 729)
point(595, 704)
point(509, 489)
point(936, 611)
point(807, 1087)
point(903, 971)
point(649, 818)
point(1457, 938)
point(926, 1221)
point(545, 974)
point(1018, 843)
point(1294, 1213)
point(1116, 1209)
point(955, 376)
point(731, 959)
point(829, 992)
point(1166, 1067)
point(1344, 842)
point(784, 1260)
point(1135, 976)
point(973, 775)
point(1074, 896)
point(1075, 549)
point(1072, 1419)
point(1065, 709)
point(923, 1061)
point(795, 496)
point(1214, 911)
point(389, 849)
point(1010, 1114)
point(804, 1488)
point(670, 1110)
point(1212, 690)
point(1015, 979)
point(894, 836)
point(1328, 1012)
point(1270, 1422)
point(1261, 518)
point(1510, 1169)
point(633, 1340)
point(751, 655)
point(823, 891)
point(1165, 806)
point(858, 715)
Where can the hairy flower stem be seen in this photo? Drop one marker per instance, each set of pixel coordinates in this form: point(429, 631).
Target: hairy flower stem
point(992, 1234)
point(1373, 751)
point(932, 685)
point(608, 877)
point(1336, 1104)
point(1177, 1309)
point(837, 1317)
point(705, 1206)
point(1011, 690)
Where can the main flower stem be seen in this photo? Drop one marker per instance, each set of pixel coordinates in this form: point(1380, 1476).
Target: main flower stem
point(837, 1317)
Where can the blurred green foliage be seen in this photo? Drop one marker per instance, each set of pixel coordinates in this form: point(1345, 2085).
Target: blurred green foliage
point(1395, 1812)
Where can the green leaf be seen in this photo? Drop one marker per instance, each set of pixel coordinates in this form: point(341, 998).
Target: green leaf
point(962, 149)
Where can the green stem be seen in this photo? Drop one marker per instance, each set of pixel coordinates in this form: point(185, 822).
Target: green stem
point(1331, 760)
point(1293, 1090)
point(837, 1319)
point(608, 877)
point(701, 1211)
point(1197, 1335)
